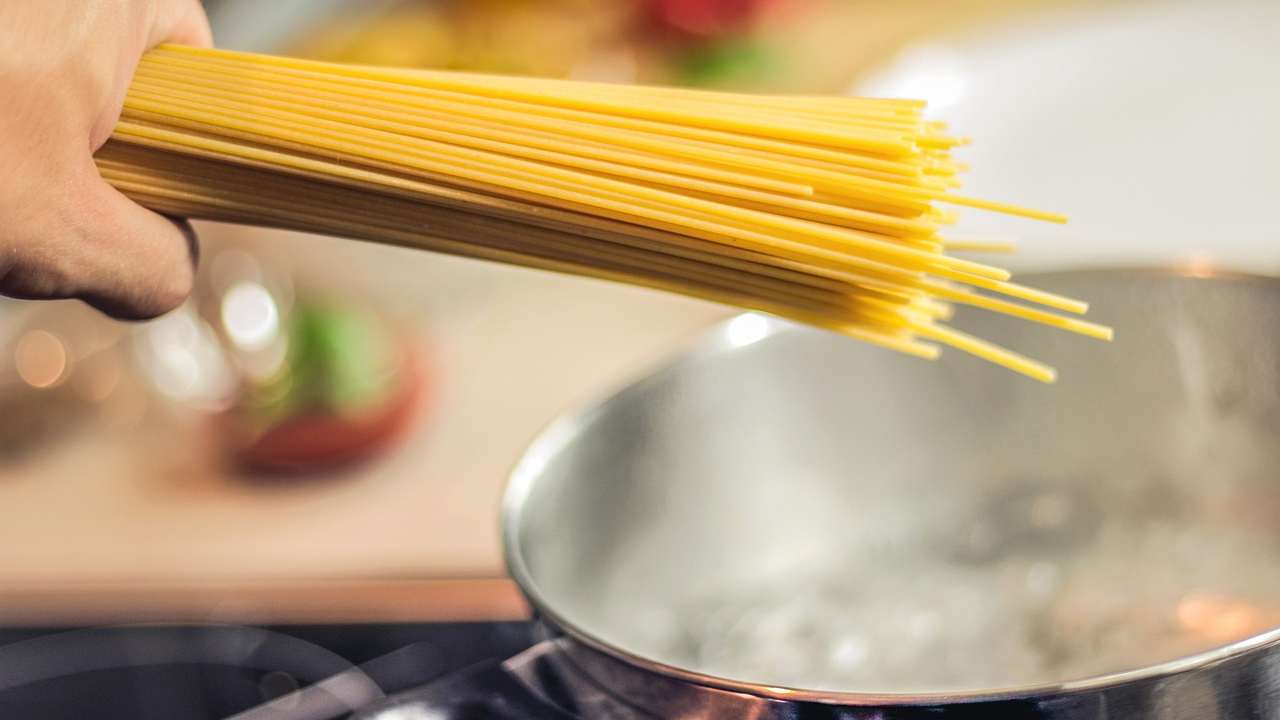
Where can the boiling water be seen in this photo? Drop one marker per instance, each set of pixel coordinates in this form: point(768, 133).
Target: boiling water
point(1037, 588)
point(778, 518)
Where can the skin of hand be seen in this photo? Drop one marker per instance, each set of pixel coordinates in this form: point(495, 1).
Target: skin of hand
point(65, 66)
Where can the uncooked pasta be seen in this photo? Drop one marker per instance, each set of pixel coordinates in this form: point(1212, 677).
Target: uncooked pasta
point(828, 211)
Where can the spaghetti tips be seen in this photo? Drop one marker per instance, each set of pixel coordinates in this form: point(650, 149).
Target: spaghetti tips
point(823, 210)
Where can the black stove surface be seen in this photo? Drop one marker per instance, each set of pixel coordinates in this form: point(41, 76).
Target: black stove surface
point(444, 671)
point(222, 671)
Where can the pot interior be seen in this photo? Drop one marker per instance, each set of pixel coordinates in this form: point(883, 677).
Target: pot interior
point(791, 508)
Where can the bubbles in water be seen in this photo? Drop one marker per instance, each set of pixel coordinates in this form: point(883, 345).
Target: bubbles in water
point(1042, 591)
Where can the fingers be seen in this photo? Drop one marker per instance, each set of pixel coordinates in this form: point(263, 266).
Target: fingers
point(137, 264)
point(64, 232)
point(180, 21)
point(131, 263)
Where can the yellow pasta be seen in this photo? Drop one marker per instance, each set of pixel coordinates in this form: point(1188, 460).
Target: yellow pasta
point(822, 210)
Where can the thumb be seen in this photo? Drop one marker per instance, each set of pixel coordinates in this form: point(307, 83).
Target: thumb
point(134, 263)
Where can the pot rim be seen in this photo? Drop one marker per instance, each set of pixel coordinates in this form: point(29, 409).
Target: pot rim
point(569, 426)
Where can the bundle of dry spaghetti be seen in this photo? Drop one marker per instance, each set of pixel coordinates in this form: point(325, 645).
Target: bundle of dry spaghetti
point(822, 210)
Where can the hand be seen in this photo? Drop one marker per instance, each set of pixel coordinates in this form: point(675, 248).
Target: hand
point(65, 66)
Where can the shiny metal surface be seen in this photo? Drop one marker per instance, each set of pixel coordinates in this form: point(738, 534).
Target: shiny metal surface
point(787, 459)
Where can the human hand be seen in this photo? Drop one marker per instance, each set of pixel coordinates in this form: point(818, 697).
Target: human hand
point(65, 66)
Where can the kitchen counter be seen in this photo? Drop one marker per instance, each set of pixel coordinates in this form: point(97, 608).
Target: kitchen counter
point(142, 519)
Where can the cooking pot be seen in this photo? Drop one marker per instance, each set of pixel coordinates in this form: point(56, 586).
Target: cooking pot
point(789, 524)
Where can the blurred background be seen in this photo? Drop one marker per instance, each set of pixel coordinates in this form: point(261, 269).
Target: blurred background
point(323, 432)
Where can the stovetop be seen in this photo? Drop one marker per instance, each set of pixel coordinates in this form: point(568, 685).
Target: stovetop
point(365, 672)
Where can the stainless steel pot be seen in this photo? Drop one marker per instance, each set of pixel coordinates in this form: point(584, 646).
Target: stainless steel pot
point(1105, 547)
